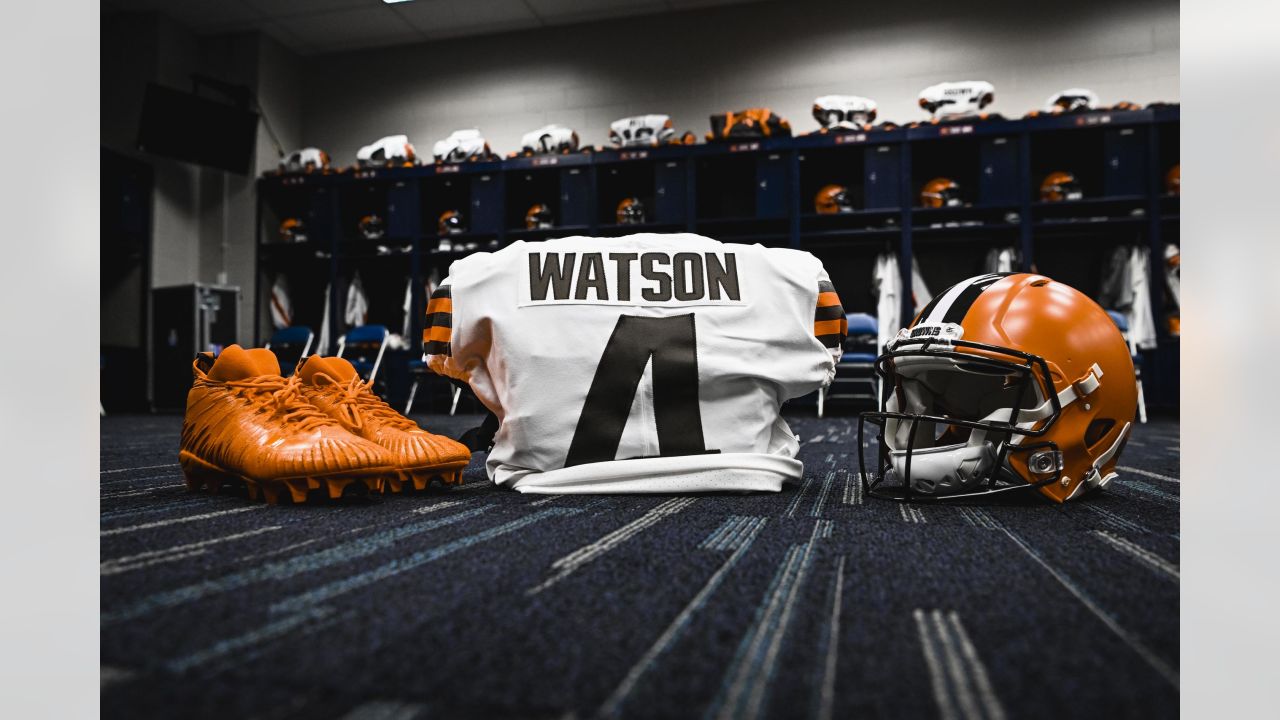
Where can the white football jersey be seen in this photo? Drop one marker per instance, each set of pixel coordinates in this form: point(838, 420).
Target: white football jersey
point(646, 363)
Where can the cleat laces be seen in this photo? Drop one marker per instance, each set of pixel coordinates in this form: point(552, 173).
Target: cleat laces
point(357, 400)
point(282, 397)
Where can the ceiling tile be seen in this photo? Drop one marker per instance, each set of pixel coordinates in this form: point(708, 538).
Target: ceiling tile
point(556, 12)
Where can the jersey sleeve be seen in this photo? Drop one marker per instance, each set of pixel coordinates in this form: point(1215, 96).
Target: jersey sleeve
point(829, 323)
point(437, 335)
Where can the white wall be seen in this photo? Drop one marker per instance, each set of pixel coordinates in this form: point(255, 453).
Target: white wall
point(779, 54)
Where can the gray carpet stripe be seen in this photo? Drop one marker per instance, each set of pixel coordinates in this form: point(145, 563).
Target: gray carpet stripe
point(1139, 553)
point(283, 569)
point(617, 699)
point(743, 690)
point(119, 565)
point(141, 467)
point(175, 521)
point(831, 639)
point(1148, 473)
point(1160, 666)
point(569, 564)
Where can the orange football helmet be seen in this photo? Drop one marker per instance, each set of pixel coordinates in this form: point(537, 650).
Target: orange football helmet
point(372, 227)
point(451, 223)
point(537, 217)
point(1003, 382)
point(832, 199)
point(1058, 186)
point(293, 230)
point(1173, 180)
point(631, 212)
point(940, 192)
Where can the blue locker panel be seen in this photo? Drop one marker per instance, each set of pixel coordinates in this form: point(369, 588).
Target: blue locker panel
point(670, 182)
point(1125, 150)
point(880, 188)
point(998, 183)
point(404, 220)
point(575, 197)
point(771, 185)
point(486, 203)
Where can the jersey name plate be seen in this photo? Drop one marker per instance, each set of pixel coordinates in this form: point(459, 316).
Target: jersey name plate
point(607, 277)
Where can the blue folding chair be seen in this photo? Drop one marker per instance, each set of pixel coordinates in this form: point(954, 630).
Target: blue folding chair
point(857, 366)
point(284, 342)
point(363, 343)
point(1122, 322)
point(418, 369)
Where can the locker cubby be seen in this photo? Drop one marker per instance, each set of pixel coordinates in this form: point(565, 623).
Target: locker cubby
point(618, 181)
point(306, 276)
point(1078, 257)
point(953, 158)
point(1079, 152)
point(312, 203)
point(526, 188)
point(384, 278)
point(946, 260)
point(850, 268)
point(357, 200)
point(726, 186)
point(844, 166)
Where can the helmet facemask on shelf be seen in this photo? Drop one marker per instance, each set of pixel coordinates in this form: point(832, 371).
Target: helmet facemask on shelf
point(957, 100)
point(844, 112)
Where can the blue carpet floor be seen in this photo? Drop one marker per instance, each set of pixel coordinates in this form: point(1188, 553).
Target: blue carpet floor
point(478, 602)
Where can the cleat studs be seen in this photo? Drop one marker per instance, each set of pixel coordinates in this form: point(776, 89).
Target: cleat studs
point(298, 490)
point(271, 494)
point(336, 487)
point(253, 490)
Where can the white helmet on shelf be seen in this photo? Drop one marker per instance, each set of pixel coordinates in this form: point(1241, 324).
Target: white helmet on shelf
point(550, 139)
point(952, 100)
point(844, 112)
point(388, 151)
point(461, 146)
point(1073, 100)
point(641, 131)
point(306, 160)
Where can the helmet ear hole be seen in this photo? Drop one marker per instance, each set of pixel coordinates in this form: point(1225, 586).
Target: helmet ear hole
point(1098, 430)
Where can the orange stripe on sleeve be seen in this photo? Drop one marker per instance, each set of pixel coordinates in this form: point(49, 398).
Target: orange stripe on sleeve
point(829, 327)
point(443, 304)
point(828, 299)
point(437, 334)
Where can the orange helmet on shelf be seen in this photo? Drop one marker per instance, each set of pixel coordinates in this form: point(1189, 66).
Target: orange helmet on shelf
point(1173, 180)
point(293, 230)
point(940, 192)
point(631, 212)
point(748, 124)
point(1060, 185)
point(537, 217)
point(372, 227)
point(451, 223)
point(832, 199)
point(1003, 382)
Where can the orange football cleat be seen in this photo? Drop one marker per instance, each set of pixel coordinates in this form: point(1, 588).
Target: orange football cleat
point(245, 423)
point(333, 385)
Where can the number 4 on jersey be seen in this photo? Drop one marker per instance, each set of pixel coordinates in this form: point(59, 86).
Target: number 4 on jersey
point(672, 343)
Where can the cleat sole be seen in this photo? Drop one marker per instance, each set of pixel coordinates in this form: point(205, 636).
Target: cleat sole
point(419, 479)
point(200, 474)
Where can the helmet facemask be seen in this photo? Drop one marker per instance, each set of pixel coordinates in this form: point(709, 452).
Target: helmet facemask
point(957, 413)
